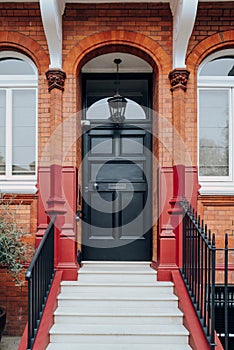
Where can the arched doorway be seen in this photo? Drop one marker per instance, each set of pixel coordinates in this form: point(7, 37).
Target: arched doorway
point(116, 165)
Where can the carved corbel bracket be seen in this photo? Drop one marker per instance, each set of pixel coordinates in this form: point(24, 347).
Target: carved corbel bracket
point(56, 79)
point(179, 79)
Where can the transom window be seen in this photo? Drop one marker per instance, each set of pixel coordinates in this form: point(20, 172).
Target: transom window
point(216, 115)
point(18, 120)
point(134, 87)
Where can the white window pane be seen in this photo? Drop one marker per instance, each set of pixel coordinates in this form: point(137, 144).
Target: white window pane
point(15, 66)
point(2, 132)
point(23, 161)
point(23, 131)
point(23, 136)
point(214, 132)
point(219, 67)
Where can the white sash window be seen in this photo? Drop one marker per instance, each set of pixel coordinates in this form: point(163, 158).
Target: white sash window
point(18, 123)
point(215, 125)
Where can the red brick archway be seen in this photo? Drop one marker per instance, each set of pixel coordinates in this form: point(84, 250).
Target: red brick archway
point(109, 41)
point(20, 42)
point(127, 42)
point(216, 42)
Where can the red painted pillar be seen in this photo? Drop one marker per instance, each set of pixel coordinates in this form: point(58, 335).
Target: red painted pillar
point(170, 237)
point(65, 244)
point(178, 79)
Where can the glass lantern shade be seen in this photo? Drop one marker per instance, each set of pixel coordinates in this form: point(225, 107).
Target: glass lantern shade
point(117, 106)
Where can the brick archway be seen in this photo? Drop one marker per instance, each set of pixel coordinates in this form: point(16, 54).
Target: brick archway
point(216, 42)
point(125, 41)
point(26, 45)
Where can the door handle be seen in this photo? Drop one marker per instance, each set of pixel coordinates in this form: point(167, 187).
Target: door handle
point(79, 215)
point(95, 186)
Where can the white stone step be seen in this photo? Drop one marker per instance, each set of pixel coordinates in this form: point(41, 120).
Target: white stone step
point(73, 300)
point(83, 346)
point(120, 276)
point(106, 334)
point(116, 289)
point(121, 316)
point(118, 306)
point(116, 265)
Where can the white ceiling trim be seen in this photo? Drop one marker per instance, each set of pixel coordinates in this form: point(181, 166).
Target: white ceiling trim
point(184, 14)
point(51, 13)
point(111, 1)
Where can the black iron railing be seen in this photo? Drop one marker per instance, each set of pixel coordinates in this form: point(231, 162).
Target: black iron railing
point(213, 302)
point(40, 276)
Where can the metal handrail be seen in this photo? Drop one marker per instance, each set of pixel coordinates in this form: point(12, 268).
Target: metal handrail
point(199, 271)
point(40, 276)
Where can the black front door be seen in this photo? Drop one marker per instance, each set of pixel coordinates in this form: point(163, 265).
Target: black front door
point(116, 194)
point(116, 165)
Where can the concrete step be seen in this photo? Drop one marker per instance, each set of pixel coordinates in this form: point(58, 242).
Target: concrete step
point(121, 316)
point(83, 346)
point(116, 265)
point(86, 301)
point(116, 289)
point(119, 276)
point(118, 306)
point(105, 334)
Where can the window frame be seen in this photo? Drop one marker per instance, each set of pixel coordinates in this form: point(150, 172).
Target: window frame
point(223, 185)
point(10, 182)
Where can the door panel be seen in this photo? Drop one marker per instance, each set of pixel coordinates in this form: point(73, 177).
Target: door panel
point(116, 194)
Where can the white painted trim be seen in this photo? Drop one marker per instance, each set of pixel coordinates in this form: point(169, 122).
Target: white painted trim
point(216, 188)
point(216, 81)
point(51, 13)
point(184, 14)
point(24, 187)
point(110, 1)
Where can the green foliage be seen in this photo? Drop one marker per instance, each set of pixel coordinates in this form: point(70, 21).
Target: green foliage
point(14, 253)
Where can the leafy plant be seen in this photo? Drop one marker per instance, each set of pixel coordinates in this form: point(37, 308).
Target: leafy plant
point(14, 252)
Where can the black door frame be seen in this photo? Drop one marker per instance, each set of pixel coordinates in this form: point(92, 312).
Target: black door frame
point(145, 124)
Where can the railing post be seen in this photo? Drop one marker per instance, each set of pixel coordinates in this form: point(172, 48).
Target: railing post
point(30, 323)
point(39, 281)
point(212, 336)
point(226, 301)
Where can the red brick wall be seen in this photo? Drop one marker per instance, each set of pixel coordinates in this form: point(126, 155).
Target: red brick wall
point(211, 18)
point(14, 298)
point(152, 20)
point(24, 18)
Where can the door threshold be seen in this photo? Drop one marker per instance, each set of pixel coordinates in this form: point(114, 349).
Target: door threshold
point(114, 262)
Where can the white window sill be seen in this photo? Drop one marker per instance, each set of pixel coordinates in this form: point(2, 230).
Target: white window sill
point(216, 188)
point(18, 186)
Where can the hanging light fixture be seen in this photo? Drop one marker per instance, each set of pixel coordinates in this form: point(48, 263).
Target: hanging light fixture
point(117, 103)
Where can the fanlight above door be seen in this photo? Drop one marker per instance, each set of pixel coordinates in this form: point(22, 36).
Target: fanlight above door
point(100, 110)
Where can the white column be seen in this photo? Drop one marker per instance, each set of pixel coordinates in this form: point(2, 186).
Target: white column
point(184, 14)
point(51, 13)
